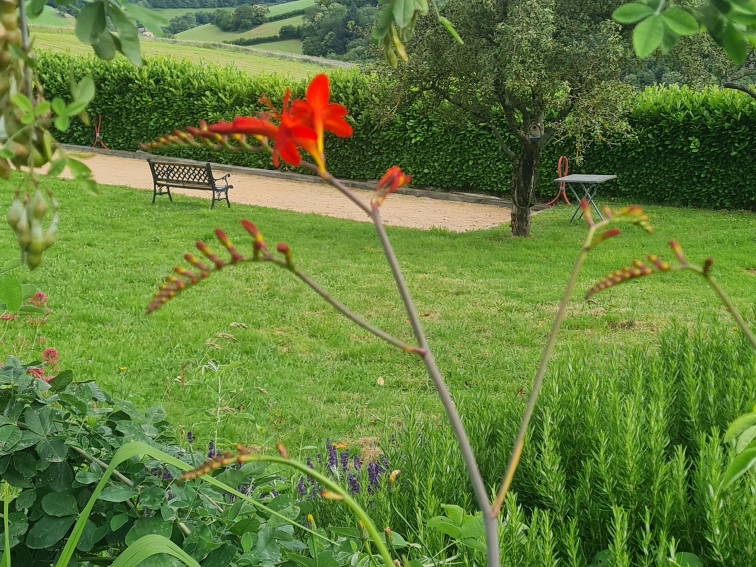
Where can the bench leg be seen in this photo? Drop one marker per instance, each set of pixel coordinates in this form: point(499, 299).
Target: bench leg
point(154, 193)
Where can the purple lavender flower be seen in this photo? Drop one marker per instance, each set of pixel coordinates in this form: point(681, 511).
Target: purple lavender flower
point(344, 458)
point(374, 472)
point(274, 493)
point(319, 456)
point(244, 488)
point(309, 463)
point(354, 484)
point(189, 436)
point(357, 462)
point(301, 488)
point(211, 449)
point(167, 475)
point(332, 457)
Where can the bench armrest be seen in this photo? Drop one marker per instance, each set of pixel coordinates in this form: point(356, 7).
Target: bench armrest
point(222, 177)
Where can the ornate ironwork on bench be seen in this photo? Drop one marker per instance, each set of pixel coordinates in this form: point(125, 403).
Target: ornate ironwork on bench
point(167, 174)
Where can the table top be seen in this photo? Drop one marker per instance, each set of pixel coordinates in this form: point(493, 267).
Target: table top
point(585, 178)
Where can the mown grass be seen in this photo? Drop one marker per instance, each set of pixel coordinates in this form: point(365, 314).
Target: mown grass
point(51, 17)
point(211, 32)
point(66, 42)
point(253, 356)
point(285, 45)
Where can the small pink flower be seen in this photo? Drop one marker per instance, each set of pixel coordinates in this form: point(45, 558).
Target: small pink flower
point(36, 372)
point(48, 378)
point(8, 316)
point(38, 299)
point(50, 356)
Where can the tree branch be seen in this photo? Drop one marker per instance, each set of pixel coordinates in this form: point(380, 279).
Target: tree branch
point(749, 91)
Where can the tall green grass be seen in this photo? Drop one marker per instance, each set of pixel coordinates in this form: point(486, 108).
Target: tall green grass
point(623, 461)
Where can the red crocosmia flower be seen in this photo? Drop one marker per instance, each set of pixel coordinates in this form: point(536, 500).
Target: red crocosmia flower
point(393, 179)
point(36, 372)
point(390, 182)
point(321, 114)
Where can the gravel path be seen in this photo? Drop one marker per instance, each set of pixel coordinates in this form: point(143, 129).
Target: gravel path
point(312, 197)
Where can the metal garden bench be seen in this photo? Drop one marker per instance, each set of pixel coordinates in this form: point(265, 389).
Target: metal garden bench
point(167, 174)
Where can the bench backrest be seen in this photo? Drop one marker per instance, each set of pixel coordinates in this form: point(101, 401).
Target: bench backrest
point(167, 171)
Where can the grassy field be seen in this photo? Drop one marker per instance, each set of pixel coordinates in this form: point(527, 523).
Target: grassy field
point(211, 32)
point(285, 45)
point(286, 7)
point(251, 63)
point(274, 10)
point(254, 356)
point(50, 17)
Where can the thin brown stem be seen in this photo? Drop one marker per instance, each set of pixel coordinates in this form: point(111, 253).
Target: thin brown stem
point(514, 458)
point(489, 519)
point(730, 306)
point(352, 316)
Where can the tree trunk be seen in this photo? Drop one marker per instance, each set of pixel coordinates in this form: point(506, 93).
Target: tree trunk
point(524, 170)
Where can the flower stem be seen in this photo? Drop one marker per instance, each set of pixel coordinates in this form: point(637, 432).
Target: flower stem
point(358, 511)
point(730, 306)
point(352, 316)
point(489, 518)
point(514, 458)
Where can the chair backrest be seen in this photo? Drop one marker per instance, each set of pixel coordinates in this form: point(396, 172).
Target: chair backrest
point(181, 172)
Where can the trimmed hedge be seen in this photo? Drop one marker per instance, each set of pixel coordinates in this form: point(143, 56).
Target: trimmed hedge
point(689, 147)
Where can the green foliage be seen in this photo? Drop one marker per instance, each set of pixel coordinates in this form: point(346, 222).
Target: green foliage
point(624, 460)
point(742, 435)
point(55, 437)
point(681, 136)
point(659, 25)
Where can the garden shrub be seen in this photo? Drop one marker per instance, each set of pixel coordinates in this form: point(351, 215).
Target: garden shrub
point(49, 426)
point(623, 457)
point(688, 147)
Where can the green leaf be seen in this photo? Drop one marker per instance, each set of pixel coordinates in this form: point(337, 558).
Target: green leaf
point(118, 521)
point(58, 476)
point(745, 439)
point(62, 380)
point(150, 19)
point(78, 169)
point(10, 292)
point(150, 545)
point(685, 559)
point(455, 513)
point(403, 11)
point(87, 477)
point(47, 531)
point(383, 23)
point(9, 436)
point(22, 102)
point(90, 22)
point(445, 526)
point(105, 46)
point(117, 493)
point(450, 28)
point(680, 21)
point(147, 526)
point(631, 13)
point(127, 34)
point(739, 426)
point(35, 7)
point(734, 44)
point(738, 467)
point(59, 504)
point(53, 450)
point(647, 35)
point(83, 92)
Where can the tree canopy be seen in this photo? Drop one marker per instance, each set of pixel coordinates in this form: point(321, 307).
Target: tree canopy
point(531, 70)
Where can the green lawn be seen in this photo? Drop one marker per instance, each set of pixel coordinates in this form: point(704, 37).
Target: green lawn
point(285, 45)
point(211, 32)
point(256, 356)
point(286, 7)
point(51, 17)
point(67, 42)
